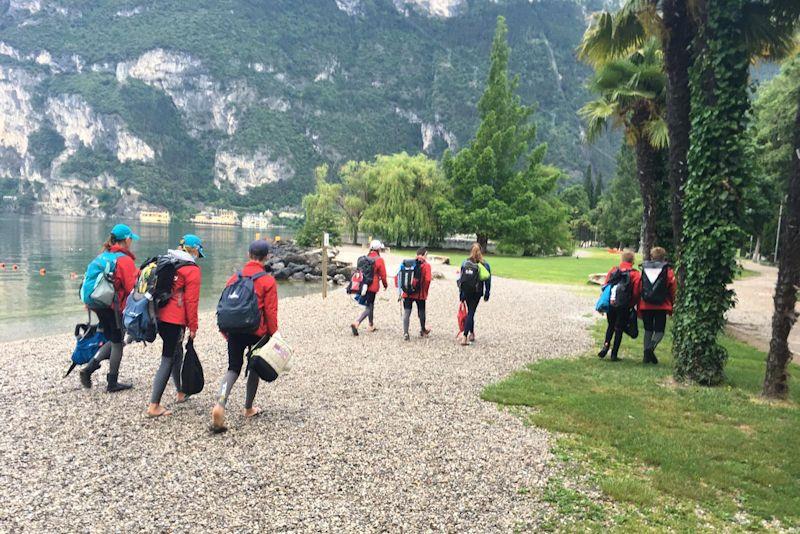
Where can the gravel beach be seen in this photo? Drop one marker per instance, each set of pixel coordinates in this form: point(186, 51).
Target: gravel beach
point(366, 433)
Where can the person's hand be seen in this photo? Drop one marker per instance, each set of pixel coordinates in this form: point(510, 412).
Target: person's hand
point(192, 333)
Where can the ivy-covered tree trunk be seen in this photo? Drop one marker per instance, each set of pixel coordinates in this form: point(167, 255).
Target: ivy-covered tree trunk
point(712, 205)
point(483, 241)
point(647, 172)
point(677, 59)
point(776, 380)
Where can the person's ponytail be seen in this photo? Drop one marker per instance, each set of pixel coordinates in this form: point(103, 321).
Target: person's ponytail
point(110, 242)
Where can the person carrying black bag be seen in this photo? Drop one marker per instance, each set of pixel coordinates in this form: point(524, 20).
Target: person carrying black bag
point(625, 285)
point(247, 315)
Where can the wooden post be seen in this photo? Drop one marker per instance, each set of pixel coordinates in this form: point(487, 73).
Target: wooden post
point(325, 239)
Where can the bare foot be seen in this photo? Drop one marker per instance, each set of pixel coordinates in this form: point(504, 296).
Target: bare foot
point(181, 397)
point(371, 328)
point(472, 338)
point(464, 341)
point(156, 410)
point(252, 412)
point(218, 419)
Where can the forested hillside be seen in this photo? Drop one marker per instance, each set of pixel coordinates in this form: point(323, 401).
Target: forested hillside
point(234, 102)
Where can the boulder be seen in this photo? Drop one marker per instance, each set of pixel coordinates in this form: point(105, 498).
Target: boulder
point(437, 275)
point(277, 266)
point(340, 279)
point(283, 274)
point(298, 277)
point(312, 278)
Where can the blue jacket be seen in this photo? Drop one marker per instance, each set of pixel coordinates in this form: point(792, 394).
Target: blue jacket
point(487, 284)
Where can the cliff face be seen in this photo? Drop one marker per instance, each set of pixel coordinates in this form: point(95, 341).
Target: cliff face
point(108, 106)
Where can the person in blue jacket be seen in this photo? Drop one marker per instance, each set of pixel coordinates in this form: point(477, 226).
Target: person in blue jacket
point(474, 282)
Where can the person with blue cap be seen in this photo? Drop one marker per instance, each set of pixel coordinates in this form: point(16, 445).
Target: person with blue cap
point(117, 254)
point(178, 314)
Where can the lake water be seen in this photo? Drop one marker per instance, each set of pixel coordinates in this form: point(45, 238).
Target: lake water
point(33, 305)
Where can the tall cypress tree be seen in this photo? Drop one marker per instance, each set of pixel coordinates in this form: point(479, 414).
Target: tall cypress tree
point(588, 185)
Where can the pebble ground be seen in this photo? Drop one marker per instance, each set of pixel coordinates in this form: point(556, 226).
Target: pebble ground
point(366, 433)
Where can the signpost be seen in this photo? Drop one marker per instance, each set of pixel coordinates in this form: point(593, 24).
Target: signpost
point(325, 244)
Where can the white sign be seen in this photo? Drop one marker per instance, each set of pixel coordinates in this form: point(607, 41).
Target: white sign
point(326, 239)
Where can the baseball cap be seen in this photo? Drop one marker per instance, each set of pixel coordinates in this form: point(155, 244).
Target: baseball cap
point(191, 240)
point(260, 248)
point(375, 245)
point(122, 232)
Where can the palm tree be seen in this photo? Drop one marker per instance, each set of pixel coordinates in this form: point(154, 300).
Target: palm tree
point(631, 96)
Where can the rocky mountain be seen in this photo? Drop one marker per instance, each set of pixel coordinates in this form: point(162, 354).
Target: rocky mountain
point(115, 106)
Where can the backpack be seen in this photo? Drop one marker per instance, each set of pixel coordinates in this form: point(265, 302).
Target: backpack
point(621, 289)
point(470, 280)
point(604, 301)
point(409, 276)
point(654, 282)
point(192, 380)
point(366, 266)
point(97, 289)
point(89, 340)
point(237, 309)
point(139, 318)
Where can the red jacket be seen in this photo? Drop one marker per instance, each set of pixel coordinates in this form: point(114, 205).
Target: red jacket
point(636, 280)
point(667, 305)
point(380, 273)
point(181, 308)
point(267, 292)
point(125, 274)
point(425, 281)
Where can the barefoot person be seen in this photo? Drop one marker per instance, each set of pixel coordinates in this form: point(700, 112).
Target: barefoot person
point(266, 292)
point(379, 277)
point(658, 288)
point(418, 292)
point(625, 284)
point(178, 314)
point(474, 282)
point(117, 251)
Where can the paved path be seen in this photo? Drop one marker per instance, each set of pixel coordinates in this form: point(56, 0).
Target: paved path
point(366, 433)
point(751, 319)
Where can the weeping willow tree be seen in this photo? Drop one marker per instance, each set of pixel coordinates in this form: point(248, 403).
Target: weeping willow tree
point(410, 199)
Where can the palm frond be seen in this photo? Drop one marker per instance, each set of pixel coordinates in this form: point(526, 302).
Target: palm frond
point(596, 45)
point(658, 133)
point(770, 28)
point(596, 113)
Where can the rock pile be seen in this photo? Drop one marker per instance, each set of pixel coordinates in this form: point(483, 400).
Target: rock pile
point(291, 262)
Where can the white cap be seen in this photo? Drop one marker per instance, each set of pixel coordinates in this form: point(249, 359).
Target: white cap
point(375, 245)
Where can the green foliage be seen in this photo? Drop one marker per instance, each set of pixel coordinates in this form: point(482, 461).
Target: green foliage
point(619, 211)
point(45, 144)
point(358, 185)
point(713, 201)
point(588, 187)
point(322, 214)
point(410, 202)
point(501, 187)
point(577, 203)
point(672, 457)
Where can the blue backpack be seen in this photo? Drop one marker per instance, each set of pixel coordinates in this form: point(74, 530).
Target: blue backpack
point(97, 290)
point(604, 302)
point(237, 309)
point(139, 318)
point(89, 341)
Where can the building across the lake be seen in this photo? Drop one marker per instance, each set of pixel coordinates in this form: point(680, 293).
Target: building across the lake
point(155, 217)
point(257, 220)
point(217, 217)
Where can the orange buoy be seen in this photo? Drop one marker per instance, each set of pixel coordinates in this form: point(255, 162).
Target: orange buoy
point(42, 271)
point(15, 267)
point(73, 275)
point(2, 266)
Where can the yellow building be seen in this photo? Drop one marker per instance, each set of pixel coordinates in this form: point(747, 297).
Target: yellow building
point(155, 217)
point(219, 217)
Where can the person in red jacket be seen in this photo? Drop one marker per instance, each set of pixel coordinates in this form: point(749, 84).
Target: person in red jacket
point(618, 315)
point(379, 278)
point(266, 290)
point(119, 243)
point(658, 288)
point(420, 295)
point(178, 314)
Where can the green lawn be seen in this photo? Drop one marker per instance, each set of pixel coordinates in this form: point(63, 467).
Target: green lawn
point(672, 457)
point(564, 270)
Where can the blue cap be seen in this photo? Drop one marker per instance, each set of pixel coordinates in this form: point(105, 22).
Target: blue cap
point(191, 240)
point(121, 232)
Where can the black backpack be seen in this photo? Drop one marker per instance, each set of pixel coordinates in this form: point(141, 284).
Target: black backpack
point(409, 276)
point(237, 309)
point(366, 266)
point(470, 280)
point(621, 289)
point(655, 291)
point(156, 277)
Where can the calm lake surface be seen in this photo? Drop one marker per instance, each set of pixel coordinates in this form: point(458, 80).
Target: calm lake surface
point(33, 305)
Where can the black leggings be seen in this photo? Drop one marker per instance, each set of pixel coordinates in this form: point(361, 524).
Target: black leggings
point(407, 304)
point(472, 307)
point(617, 321)
point(110, 322)
point(237, 345)
point(654, 320)
point(171, 359)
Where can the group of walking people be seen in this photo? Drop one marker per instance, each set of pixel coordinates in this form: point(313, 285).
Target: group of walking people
point(629, 294)
point(413, 281)
point(177, 318)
